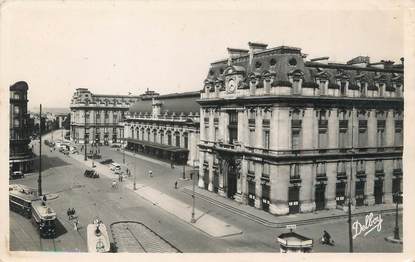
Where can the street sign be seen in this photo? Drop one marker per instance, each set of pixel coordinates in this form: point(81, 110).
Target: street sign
point(291, 227)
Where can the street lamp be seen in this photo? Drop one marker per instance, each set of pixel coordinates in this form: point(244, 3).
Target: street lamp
point(85, 158)
point(396, 229)
point(193, 220)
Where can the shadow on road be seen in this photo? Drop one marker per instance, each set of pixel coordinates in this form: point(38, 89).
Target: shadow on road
point(50, 162)
point(59, 229)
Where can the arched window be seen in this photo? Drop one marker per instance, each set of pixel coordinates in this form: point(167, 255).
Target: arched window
point(169, 138)
point(186, 140)
point(177, 134)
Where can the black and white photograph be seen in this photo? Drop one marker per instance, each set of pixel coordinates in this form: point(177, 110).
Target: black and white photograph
point(204, 127)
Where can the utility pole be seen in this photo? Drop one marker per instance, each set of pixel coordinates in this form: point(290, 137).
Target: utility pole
point(39, 180)
point(85, 158)
point(193, 220)
point(396, 229)
point(349, 220)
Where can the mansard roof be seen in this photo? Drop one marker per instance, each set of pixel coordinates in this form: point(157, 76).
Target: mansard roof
point(170, 103)
point(284, 60)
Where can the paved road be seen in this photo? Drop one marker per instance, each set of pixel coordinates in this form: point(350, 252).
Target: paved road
point(94, 197)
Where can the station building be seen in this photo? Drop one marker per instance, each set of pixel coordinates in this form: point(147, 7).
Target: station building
point(287, 135)
point(165, 127)
point(21, 157)
point(97, 118)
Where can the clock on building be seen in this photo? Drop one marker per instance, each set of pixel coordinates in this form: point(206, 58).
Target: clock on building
point(231, 86)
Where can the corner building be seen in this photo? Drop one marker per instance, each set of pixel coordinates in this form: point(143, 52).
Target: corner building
point(97, 118)
point(21, 157)
point(290, 135)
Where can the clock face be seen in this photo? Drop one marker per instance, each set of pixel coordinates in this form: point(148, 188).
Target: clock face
point(231, 86)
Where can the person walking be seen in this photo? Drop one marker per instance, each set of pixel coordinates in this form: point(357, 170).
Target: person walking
point(175, 185)
point(150, 173)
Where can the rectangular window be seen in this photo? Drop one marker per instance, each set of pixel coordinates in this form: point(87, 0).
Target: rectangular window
point(266, 170)
point(343, 133)
point(321, 169)
point(251, 167)
point(16, 110)
point(380, 135)
point(398, 133)
point(361, 167)
point(186, 141)
point(233, 127)
point(379, 166)
point(215, 138)
point(295, 139)
point(296, 86)
point(295, 171)
point(362, 138)
point(252, 137)
point(266, 139)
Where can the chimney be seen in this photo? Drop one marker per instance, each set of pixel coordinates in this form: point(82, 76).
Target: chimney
point(235, 52)
point(361, 61)
point(253, 48)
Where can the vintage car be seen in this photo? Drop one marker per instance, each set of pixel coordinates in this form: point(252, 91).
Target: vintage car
point(16, 174)
point(91, 174)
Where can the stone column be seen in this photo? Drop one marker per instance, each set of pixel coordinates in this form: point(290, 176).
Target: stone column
point(243, 130)
point(331, 173)
point(308, 136)
point(333, 129)
point(210, 161)
point(258, 186)
point(244, 186)
point(389, 128)
point(370, 183)
point(387, 183)
point(307, 172)
point(280, 181)
point(372, 128)
point(280, 137)
point(203, 156)
point(202, 124)
point(258, 128)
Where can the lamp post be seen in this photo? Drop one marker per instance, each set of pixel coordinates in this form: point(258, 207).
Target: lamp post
point(39, 180)
point(349, 212)
point(193, 220)
point(85, 158)
point(396, 229)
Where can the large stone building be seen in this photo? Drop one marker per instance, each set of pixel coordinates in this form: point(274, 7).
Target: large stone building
point(165, 126)
point(103, 116)
point(288, 135)
point(21, 157)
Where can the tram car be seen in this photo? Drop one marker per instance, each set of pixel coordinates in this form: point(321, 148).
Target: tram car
point(97, 237)
point(45, 219)
point(20, 199)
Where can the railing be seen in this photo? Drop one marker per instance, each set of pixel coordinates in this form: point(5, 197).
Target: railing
point(297, 152)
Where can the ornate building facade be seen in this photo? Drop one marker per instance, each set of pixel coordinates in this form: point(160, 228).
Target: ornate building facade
point(288, 135)
point(97, 118)
point(21, 157)
point(165, 126)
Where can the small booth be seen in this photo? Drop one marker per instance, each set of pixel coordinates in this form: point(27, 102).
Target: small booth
point(294, 243)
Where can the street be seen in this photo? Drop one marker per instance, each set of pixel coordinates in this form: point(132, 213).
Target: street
point(95, 198)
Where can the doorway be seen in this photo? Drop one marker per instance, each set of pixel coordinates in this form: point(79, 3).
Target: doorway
point(378, 191)
point(320, 196)
point(231, 175)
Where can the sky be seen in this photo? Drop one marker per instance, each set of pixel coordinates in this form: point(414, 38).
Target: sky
point(119, 47)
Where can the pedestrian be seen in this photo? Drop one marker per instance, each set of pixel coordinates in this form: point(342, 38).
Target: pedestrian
point(75, 224)
point(191, 175)
point(44, 198)
point(121, 177)
point(150, 173)
point(175, 185)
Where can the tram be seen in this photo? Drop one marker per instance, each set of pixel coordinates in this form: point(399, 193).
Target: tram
point(97, 237)
point(20, 199)
point(44, 217)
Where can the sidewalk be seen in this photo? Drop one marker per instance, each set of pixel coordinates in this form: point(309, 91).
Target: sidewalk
point(273, 221)
point(204, 222)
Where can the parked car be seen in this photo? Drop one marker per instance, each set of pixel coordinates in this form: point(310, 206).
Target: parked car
point(116, 145)
point(16, 174)
point(91, 174)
